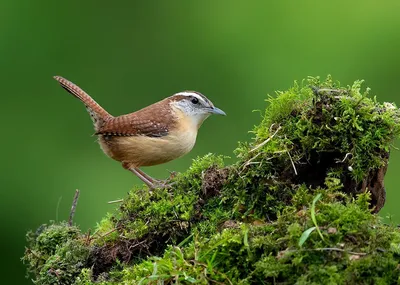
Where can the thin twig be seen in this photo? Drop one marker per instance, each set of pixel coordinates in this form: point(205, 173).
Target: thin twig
point(330, 249)
point(88, 237)
point(73, 207)
point(107, 233)
point(266, 141)
point(291, 160)
point(341, 250)
point(137, 244)
point(238, 173)
point(250, 160)
point(115, 201)
point(347, 156)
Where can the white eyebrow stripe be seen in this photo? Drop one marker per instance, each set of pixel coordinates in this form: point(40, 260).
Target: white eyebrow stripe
point(187, 93)
point(194, 94)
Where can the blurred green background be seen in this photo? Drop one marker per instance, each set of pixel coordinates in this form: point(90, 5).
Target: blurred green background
point(128, 54)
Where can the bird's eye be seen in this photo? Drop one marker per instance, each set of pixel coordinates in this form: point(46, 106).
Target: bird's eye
point(195, 100)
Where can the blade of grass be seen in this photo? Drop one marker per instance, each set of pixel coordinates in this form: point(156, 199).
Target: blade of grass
point(313, 218)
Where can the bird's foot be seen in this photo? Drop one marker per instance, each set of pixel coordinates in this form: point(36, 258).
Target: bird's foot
point(166, 183)
point(163, 184)
point(151, 182)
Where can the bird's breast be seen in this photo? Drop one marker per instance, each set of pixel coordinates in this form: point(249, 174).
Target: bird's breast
point(148, 151)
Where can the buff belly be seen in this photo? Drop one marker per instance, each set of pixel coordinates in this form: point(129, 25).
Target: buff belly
point(147, 151)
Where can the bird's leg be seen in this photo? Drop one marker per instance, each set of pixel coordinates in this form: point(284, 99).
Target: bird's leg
point(148, 177)
point(145, 178)
point(142, 176)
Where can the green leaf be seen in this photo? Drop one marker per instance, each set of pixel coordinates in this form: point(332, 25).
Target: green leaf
point(305, 235)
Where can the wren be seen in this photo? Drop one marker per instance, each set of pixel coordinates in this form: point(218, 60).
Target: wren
point(156, 134)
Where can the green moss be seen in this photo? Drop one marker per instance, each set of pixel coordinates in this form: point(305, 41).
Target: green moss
point(266, 253)
point(56, 254)
point(296, 207)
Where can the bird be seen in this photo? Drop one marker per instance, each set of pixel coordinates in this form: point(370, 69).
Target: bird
point(156, 134)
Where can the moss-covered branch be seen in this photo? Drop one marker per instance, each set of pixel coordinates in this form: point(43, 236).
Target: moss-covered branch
point(297, 206)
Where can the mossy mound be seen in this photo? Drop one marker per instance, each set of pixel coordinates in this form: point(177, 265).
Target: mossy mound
point(296, 207)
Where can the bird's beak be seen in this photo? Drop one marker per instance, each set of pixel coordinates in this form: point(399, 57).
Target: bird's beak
point(217, 111)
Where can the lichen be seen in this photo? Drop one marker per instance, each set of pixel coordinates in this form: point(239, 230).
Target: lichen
point(296, 207)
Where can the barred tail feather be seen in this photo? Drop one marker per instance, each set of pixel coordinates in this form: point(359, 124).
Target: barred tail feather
point(96, 112)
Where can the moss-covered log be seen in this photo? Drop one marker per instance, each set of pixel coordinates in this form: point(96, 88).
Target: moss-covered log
point(298, 206)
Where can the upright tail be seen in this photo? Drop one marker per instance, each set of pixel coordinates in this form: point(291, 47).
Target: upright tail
point(96, 112)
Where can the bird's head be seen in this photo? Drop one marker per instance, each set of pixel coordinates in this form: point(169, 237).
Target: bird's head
point(195, 106)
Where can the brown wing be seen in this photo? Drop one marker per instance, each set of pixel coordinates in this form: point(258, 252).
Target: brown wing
point(153, 121)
